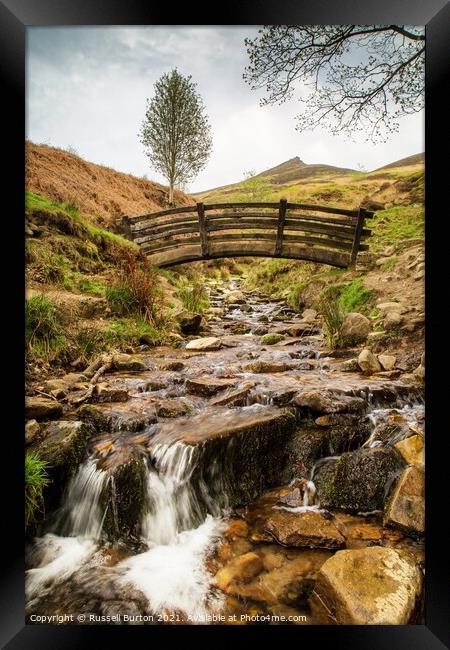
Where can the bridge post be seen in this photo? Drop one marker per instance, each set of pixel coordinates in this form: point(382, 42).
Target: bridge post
point(202, 230)
point(357, 237)
point(280, 229)
point(126, 225)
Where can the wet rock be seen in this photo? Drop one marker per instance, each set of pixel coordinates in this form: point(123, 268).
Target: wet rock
point(235, 297)
point(359, 480)
point(206, 386)
point(293, 499)
point(350, 365)
point(189, 323)
point(32, 430)
point(105, 393)
point(42, 408)
point(355, 328)
point(305, 529)
point(237, 528)
point(260, 331)
point(412, 450)
point(175, 366)
point(271, 339)
point(240, 569)
point(387, 361)
point(370, 586)
point(171, 408)
point(205, 344)
point(328, 402)
point(125, 497)
point(236, 397)
point(134, 415)
point(261, 366)
point(302, 328)
point(368, 362)
point(62, 445)
point(406, 508)
point(263, 318)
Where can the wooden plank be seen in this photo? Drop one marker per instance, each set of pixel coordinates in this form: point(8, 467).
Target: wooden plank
point(125, 223)
point(161, 230)
point(340, 221)
point(242, 215)
point(171, 243)
point(202, 230)
point(252, 204)
point(280, 227)
point(357, 237)
point(331, 230)
point(322, 208)
point(168, 233)
point(152, 223)
point(161, 213)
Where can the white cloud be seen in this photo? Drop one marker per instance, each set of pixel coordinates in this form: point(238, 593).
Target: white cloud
point(87, 87)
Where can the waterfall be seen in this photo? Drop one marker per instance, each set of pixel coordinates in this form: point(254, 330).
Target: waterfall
point(179, 535)
point(74, 536)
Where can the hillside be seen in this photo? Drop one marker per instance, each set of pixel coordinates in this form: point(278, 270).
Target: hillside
point(399, 183)
point(100, 193)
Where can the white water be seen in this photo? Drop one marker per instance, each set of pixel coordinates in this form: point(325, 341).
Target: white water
point(56, 558)
point(172, 573)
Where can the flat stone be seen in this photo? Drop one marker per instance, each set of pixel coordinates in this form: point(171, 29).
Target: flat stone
point(236, 397)
point(235, 297)
point(369, 586)
point(258, 367)
point(328, 402)
point(386, 307)
point(105, 393)
point(133, 415)
point(171, 408)
point(206, 344)
point(42, 408)
point(305, 529)
point(206, 386)
point(412, 449)
point(387, 361)
point(301, 328)
point(406, 508)
point(392, 319)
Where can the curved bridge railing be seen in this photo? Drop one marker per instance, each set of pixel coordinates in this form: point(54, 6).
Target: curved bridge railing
point(315, 233)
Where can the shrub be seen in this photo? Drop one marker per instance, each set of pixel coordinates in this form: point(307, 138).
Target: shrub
point(333, 317)
point(36, 479)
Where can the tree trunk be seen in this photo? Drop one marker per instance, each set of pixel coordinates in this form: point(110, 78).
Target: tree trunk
point(171, 193)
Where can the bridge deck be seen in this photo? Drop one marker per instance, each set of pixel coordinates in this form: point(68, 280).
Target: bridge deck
point(316, 233)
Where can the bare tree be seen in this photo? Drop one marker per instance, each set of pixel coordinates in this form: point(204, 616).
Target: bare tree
point(175, 132)
point(362, 78)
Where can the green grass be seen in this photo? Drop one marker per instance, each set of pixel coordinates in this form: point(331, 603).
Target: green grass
point(122, 299)
point(44, 334)
point(35, 202)
point(193, 296)
point(133, 332)
point(355, 296)
point(36, 478)
point(93, 287)
point(397, 224)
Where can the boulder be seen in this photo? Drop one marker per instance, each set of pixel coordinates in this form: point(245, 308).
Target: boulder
point(328, 402)
point(32, 430)
point(105, 393)
point(302, 328)
point(412, 450)
point(406, 507)
point(387, 307)
point(368, 362)
point(133, 415)
point(206, 386)
point(128, 362)
point(305, 529)
point(387, 361)
point(189, 323)
point(392, 320)
point(355, 328)
point(368, 586)
point(350, 365)
point(235, 297)
point(309, 315)
point(205, 344)
point(240, 569)
point(42, 408)
point(358, 480)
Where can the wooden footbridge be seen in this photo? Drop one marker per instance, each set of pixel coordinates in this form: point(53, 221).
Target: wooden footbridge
point(315, 233)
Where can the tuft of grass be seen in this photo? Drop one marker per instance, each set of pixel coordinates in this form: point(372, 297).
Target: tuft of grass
point(193, 296)
point(92, 286)
point(43, 328)
point(333, 317)
point(129, 331)
point(355, 296)
point(396, 224)
point(36, 478)
point(390, 263)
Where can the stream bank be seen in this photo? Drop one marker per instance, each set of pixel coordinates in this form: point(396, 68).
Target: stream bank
point(245, 474)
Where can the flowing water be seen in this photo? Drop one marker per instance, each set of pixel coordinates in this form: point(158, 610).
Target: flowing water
point(192, 474)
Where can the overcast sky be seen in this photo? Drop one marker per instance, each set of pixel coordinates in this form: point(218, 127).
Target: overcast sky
point(87, 88)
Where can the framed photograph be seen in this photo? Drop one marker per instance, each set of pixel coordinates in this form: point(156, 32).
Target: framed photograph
point(224, 274)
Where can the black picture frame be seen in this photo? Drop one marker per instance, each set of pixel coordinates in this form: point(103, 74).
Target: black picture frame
point(15, 16)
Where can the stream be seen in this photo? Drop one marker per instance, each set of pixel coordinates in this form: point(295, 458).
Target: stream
point(197, 467)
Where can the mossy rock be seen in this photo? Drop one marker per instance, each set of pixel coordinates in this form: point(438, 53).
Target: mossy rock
point(271, 339)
